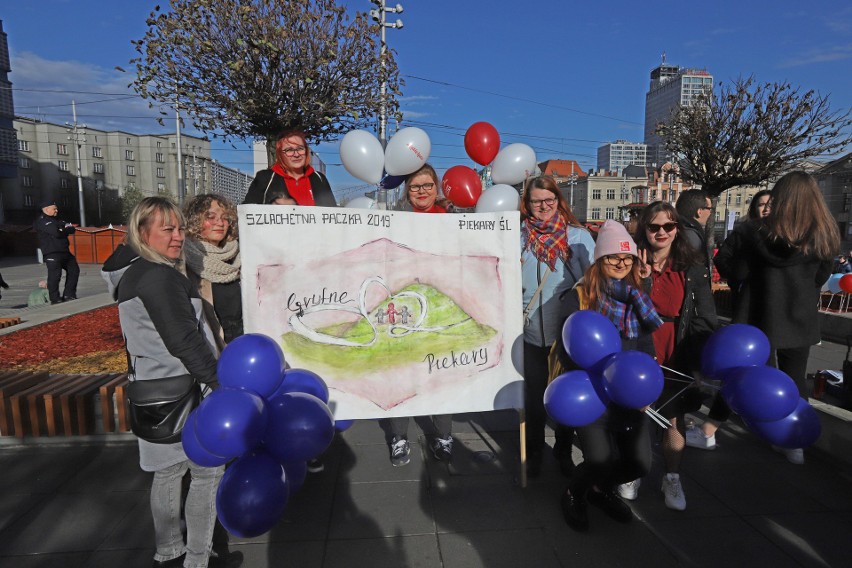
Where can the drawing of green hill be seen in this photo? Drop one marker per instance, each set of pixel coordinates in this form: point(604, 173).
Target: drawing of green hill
point(461, 332)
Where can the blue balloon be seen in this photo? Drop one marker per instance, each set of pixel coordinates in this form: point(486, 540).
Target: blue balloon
point(301, 427)
point(302, 380)
point(343, 425)
point(296, 474)
point(834, 283)
point(633, 379)
point(589, 337)
point(391, 182)
point(231, 422)
point(252, 495)
point(799, 429)
point(193, 448)
point(737, 345)
point(571, 400)
point(253, 362)
point(760, 394)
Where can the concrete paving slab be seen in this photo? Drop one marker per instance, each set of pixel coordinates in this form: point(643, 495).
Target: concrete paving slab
point(65, 560)
point(124, 557)
point(490, 503)
point(414, 551)
point(498, 549)
point(813, 539)
point(304, 554)
point(381, 509)
point(612, 544)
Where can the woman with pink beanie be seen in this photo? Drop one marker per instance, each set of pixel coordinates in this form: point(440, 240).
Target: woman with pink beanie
point(616, 447)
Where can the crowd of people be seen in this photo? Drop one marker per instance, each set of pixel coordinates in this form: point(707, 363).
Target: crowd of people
point(177, 284)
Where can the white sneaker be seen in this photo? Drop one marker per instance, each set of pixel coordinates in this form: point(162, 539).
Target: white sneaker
point(673, 491)
point(795, 455)
point(629, 490)
point(695, 438)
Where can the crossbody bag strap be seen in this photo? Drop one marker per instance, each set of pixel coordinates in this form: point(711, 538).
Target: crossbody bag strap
point(536, 294)
point(272, 177)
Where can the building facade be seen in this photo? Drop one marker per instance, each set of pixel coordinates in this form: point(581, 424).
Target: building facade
point(110, 164)
point(671, 87)
point(616, 156)
point(8, 142)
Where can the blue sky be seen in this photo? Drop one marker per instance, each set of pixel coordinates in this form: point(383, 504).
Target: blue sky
point(561, 76)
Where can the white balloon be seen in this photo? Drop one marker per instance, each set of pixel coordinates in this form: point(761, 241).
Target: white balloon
point(362, 155)
point(407, 151)
point(513, 164)
point(499, 197)
point(362, 202)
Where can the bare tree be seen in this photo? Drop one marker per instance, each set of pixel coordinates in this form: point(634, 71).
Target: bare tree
point(252, 68)
point(747, 133)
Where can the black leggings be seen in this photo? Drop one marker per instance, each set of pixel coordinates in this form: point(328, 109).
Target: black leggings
point(535, 383)
point(616, 449)
point(794, 362)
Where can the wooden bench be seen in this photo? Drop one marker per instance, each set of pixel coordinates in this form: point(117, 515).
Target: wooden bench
point(39, 404)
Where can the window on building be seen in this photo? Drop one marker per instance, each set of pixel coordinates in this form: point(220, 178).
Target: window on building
point(27, 181)
point(28, 200)
point(63, 183)
point(62, 149)
point(596, 213)
point(718, 216)
point(128, 154)
point(159, 144)
point(610, 194)
point(653, 195)
point(161, 172)
point(736, 215)
point(749, 197)
point(97, 152)
point(131, 170)
point(739, 199)
point(596, 194)
point(847, 202)
point(23, 146)
point(161, 188)
point(127, 140)
point(665, 194)
point(625, 194)
point(159, 158)
point(63, 165)
point(610, 212)
point(24, 163)
point(98, 167)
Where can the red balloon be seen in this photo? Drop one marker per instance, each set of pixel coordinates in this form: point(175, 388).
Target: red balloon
point(846, 283)
point(482, 142)
point(462, 186)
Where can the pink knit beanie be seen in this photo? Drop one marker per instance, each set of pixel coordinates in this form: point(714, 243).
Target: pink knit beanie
point(613, 238)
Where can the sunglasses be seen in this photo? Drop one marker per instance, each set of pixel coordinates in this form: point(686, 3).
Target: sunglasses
point(667, 227)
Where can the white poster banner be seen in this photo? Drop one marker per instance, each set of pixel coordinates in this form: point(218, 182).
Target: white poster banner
point(402, 314)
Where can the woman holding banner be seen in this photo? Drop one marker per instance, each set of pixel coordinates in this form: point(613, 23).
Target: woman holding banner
point(291, 176)
point(555, 252)
point(422, 189)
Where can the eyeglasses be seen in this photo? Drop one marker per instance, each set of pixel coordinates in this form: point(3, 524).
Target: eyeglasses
point(217, 218)
point(424, 187)
point(614, 260)
point(543, 202)
point(654, 228)
point(707, 207)
point(297, 151)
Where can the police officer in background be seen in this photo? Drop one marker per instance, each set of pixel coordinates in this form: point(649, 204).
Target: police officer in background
point(53, 241)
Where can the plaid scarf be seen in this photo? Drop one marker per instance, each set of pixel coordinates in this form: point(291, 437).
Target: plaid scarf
point(547, 240)
point(628, 307)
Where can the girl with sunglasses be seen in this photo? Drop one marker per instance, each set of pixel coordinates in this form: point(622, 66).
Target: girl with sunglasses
point(616, 447)
point(680, 291)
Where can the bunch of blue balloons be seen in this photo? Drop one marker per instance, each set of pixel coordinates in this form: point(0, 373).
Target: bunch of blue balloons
point(271, 420)
point(631, 379)
point(767, 399)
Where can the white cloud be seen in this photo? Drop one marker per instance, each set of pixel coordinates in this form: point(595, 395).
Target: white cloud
point(833, 53)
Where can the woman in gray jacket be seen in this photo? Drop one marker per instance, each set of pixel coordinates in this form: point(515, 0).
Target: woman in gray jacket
point(166, 336)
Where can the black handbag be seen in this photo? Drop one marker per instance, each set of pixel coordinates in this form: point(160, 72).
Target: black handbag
point(159, 408)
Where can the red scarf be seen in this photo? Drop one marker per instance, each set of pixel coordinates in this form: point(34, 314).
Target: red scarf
point(299, 189)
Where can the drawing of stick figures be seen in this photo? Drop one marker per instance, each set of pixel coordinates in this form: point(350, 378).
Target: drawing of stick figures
point(380, 317)
point(392, 313)
point(403, 315)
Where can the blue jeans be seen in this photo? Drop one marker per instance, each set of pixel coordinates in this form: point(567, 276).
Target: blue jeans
point(200, 512)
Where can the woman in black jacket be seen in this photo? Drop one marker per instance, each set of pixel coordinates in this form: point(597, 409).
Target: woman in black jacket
point(291, 176)
point(784, 262)
point(680, 290)
point(166, 336)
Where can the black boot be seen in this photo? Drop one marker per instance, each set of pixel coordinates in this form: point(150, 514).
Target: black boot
point(611, 504)
point(574, 510)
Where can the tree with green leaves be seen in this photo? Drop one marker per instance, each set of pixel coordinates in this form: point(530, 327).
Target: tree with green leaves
point(130, 198)
point(747, 133)
point(253, 68)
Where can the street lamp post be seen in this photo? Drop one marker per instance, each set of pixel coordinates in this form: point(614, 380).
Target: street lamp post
point(76, 136)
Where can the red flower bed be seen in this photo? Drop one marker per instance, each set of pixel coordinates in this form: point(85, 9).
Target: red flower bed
point(77, 335)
